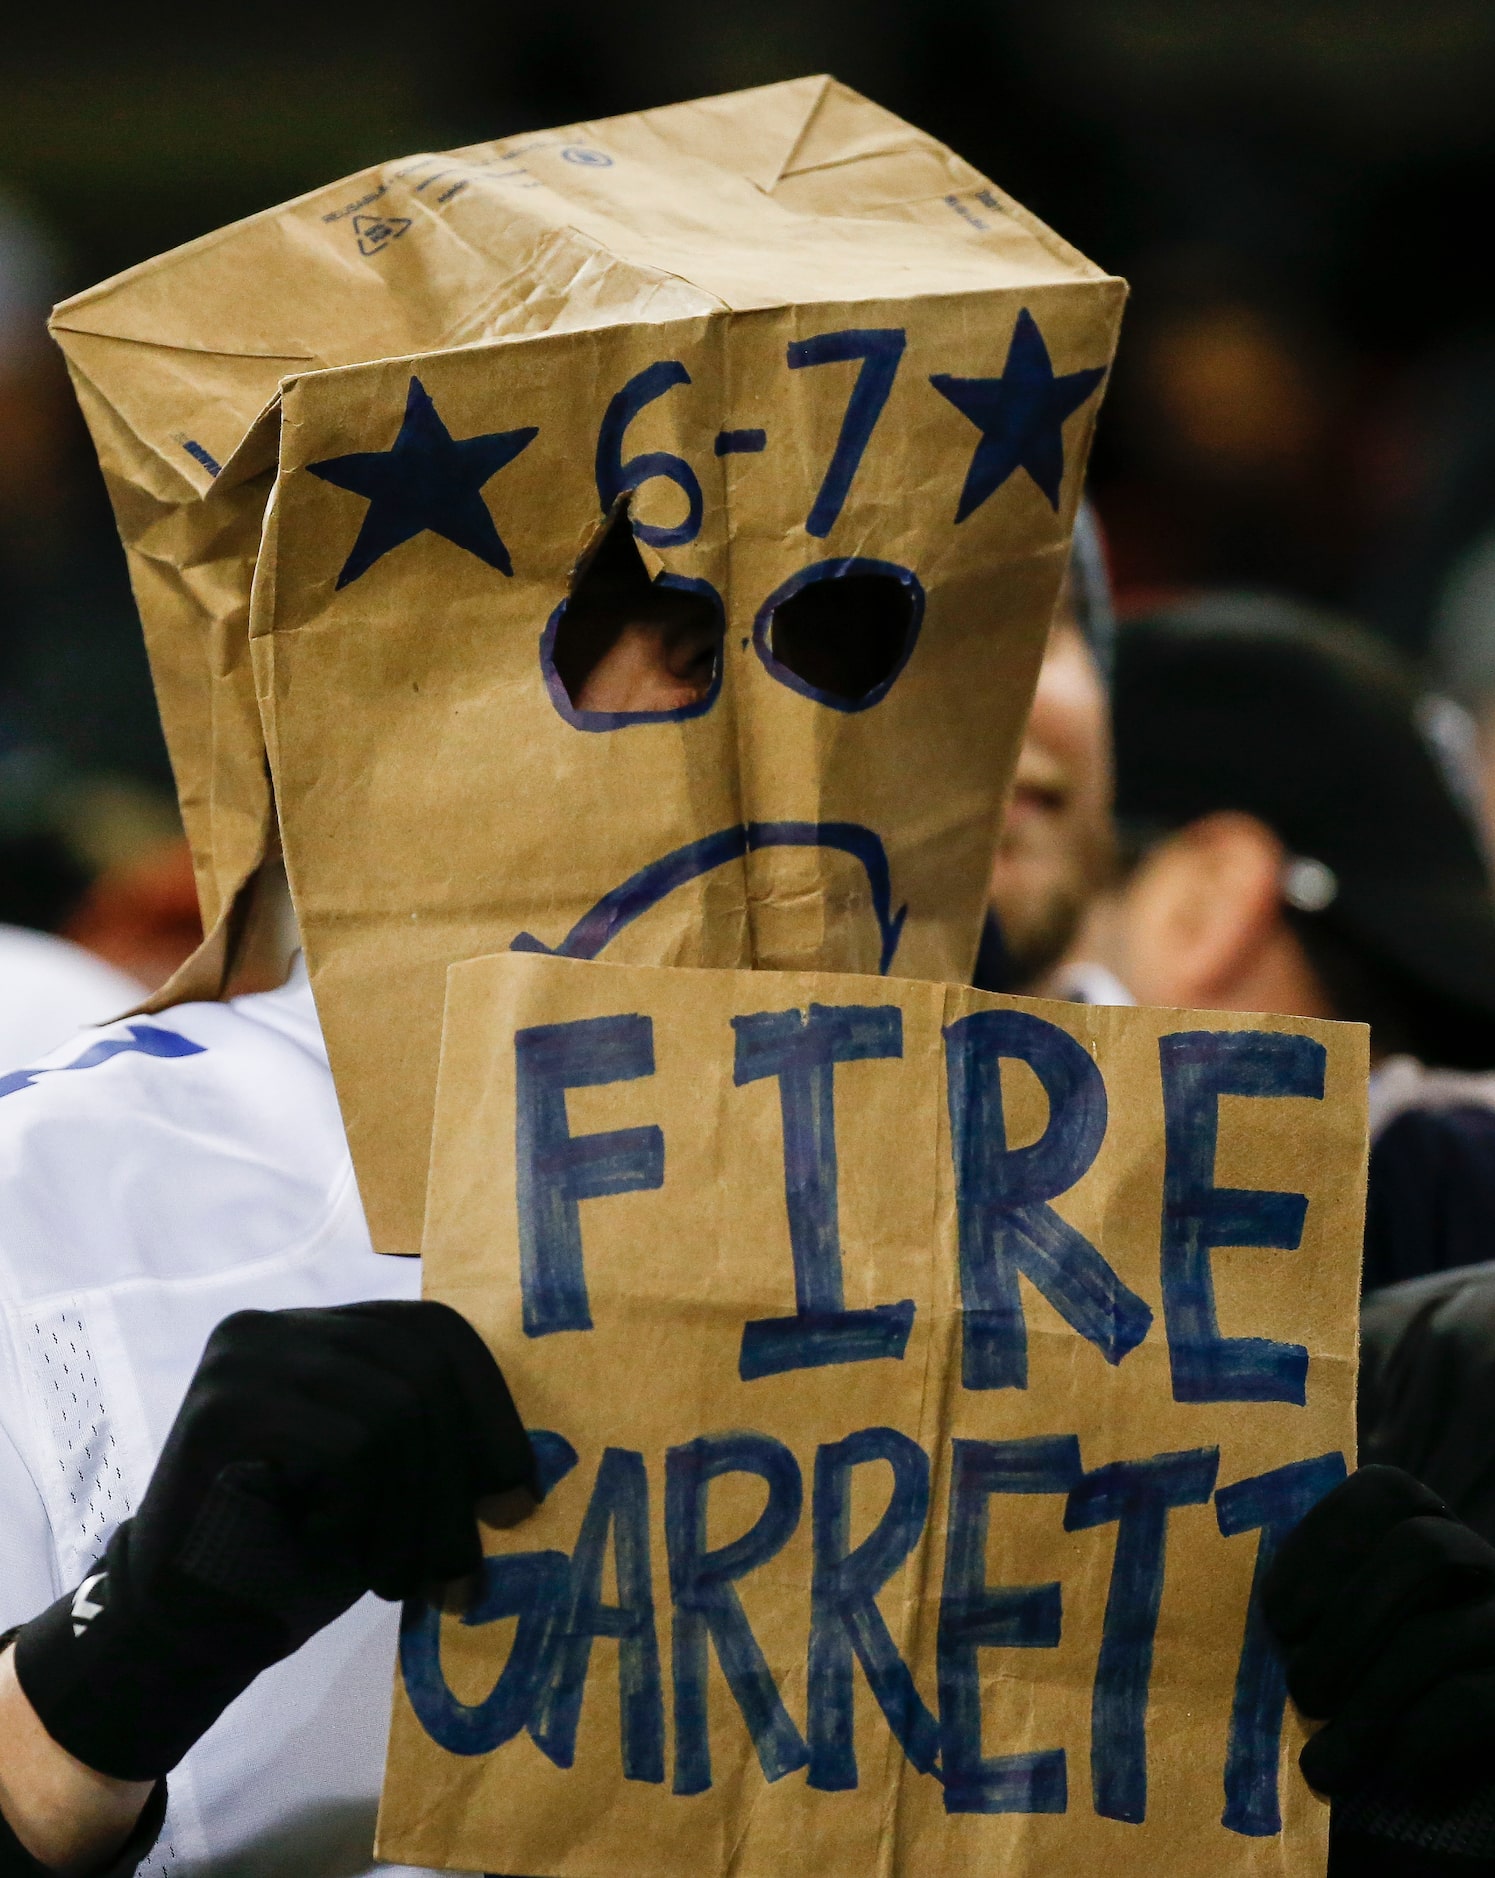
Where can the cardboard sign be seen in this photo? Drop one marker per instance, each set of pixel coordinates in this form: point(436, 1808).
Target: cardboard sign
point(441, 795)
point(179, 363)
point(925, 1379)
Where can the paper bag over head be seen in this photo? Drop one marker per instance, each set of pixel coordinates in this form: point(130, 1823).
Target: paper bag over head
point(819, 367)
point(178, 362)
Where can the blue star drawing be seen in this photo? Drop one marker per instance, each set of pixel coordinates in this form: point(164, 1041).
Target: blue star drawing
point(429, 480)
point(1020, 415)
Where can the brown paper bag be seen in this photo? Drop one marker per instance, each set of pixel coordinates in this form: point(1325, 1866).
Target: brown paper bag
point(178, 363)
point(903, 406)
point(925, 1379)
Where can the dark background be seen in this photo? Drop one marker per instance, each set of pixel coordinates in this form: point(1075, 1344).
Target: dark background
point(1299, 192)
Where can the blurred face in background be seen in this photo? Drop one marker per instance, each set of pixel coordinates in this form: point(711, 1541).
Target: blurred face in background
point(1056, 849)
point(1200, 923)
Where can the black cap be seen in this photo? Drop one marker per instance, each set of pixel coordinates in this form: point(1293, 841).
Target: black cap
point(1263, 706)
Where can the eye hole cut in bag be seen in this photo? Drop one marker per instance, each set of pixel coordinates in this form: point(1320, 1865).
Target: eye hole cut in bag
point(618, 629)
point(841, 631)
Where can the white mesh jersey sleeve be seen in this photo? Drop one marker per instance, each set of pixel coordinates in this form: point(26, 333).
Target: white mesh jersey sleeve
point(155, 1176)
point(28, 1579)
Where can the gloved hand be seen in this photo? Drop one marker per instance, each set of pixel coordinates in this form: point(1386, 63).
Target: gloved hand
point(319, 1454)
point(1384, 1605)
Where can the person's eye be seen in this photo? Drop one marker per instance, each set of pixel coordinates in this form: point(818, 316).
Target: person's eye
point(693, 656)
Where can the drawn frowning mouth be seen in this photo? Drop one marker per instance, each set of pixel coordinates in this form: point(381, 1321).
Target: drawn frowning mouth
point(597, 927)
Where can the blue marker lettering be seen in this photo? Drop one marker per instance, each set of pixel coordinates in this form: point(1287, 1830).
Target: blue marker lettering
point(615, 478)
point(620, 1507)
point(556, 1169)
point(528, 1585)
point(844, 1618)
point(1271, 1504)
point(1136, 1496)
point(1200, 1066)
point(707, 1606)
point(974, 1615)
point(1006, 1226)
point(802, 1052)
point(879, 348)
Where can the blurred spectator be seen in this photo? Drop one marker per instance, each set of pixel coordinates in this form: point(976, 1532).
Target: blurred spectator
point(49, 989)
point(28, 460)
point(1432, 492)
point(73, 671)
point(1228, 421)
point(1057, 845)
point(90, 841)
point(1463, 658)
point(42, 879)
point(85, 862)
point(1382, 1605)
point(1293, 842)
point(141, 914)
point(139, 910)
point(1293, 839)
point(1427, 1386)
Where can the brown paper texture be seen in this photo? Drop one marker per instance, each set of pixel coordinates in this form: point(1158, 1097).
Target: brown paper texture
point(179, 363)
point(682, 1207)
point(440, 799)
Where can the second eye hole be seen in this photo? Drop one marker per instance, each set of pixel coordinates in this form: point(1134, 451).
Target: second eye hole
point(626, 645)
point(840, 632)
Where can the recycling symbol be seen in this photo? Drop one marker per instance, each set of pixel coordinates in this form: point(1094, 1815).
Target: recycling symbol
point(377, 231)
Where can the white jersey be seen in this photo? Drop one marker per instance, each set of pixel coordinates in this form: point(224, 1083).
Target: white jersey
point(155, 1176)
point(50, 988)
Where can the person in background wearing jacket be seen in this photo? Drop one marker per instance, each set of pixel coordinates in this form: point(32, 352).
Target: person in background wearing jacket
point(1295, 837)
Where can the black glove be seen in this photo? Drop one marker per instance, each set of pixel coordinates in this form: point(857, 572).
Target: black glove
point(319, 1454)
point(1384, 1605)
